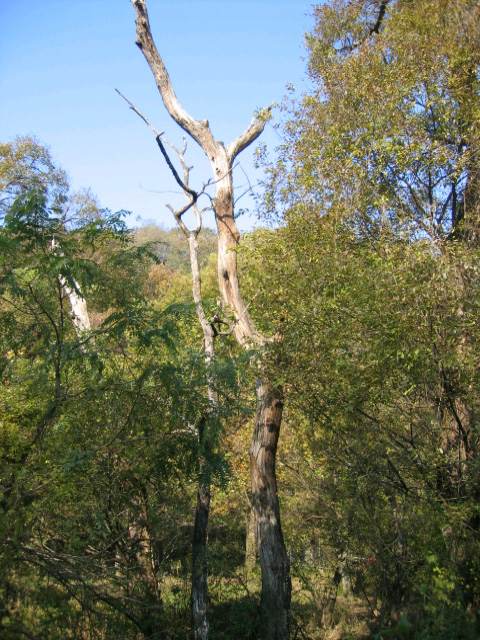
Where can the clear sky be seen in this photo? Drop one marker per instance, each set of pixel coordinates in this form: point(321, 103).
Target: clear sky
point(61, 60)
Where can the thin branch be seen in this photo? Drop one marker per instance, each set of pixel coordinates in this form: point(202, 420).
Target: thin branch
point(194, 194)
point(250, 188)
point(139, 113)
point(160, 141)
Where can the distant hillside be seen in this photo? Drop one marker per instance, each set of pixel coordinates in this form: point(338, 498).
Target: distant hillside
point(171, 246)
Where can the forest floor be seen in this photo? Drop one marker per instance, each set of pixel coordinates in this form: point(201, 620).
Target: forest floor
point(234, 610)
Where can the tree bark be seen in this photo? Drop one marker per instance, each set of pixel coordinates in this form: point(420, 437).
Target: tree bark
point(274, 562)
point(276, 585)
point(199, 593)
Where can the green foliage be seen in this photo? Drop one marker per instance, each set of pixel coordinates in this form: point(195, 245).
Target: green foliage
point(371, 286)
point(25, 166)
point(98, 445)
point(390, 131)
point(370, 289)
point(74, 486)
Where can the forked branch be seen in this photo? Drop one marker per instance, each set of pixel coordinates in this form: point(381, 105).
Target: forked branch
point(194, 194)
point(198, 129)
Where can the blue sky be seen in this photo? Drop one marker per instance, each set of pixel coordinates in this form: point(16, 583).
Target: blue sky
point(60, 62)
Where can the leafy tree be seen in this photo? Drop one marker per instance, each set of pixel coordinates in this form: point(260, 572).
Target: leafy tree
point(26, 165)
point(90, 426)
point(371, 287)
point(393, 119)
point(386, 390)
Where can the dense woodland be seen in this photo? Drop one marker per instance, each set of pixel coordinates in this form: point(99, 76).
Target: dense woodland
point(364, 281)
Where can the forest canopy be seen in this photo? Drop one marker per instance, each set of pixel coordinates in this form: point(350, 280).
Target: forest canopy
point(364, 287)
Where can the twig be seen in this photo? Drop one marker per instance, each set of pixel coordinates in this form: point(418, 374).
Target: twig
point(134, 108)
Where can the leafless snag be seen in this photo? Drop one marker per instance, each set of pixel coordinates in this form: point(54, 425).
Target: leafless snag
point(199, 591)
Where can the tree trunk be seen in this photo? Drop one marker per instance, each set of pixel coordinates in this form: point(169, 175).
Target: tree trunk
point(276, 584)
point(198, 601)
point(274, 562)
point(79, 315)
point(199, 593)
point(80, 318)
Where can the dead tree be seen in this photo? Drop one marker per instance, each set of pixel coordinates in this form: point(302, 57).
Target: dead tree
point(276, 584)
point(199, 591)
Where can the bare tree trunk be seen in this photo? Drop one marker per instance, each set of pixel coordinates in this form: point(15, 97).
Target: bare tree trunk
point(78, 304)
point(199, 593)
point(274, 562)
point(80, 318)
point(276, 585)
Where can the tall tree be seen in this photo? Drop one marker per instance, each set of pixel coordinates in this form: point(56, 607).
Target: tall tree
point(375, 188)
point(276, 586)
point(27, 166)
